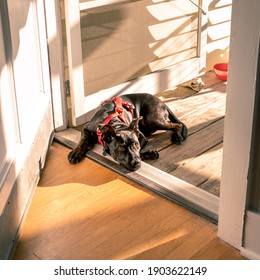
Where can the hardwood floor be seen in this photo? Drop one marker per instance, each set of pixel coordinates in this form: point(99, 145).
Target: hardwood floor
point(86, 211)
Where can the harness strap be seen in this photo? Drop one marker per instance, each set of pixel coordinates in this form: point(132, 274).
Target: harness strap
point(118, 113)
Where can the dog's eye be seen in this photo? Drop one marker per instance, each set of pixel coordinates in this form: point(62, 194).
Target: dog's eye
point(135, 145)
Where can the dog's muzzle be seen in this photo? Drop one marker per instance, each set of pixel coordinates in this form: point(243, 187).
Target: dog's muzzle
point(134, 164)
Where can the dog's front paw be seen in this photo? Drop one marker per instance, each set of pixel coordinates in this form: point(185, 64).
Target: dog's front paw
point(75, 156)
point(151, 154)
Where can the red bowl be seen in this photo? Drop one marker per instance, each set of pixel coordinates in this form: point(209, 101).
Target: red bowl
point(221, 71)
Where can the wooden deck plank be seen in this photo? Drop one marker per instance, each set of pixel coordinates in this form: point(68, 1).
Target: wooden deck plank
point(179, 92)
point(212, 185)
point(205, 116)
point(200, 169)
point(197, 101)
point(195, 145)
point(184, 90)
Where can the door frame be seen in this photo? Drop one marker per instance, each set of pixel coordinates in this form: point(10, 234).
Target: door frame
point(81, 105)
point(234, 219)
point(56, 61)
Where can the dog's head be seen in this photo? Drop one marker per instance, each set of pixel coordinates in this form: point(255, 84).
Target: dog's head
point(123, 145)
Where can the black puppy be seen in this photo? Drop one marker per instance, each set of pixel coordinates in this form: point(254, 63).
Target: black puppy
point(121, 124)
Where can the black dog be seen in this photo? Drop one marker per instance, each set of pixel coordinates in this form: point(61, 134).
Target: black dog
point(121, 124)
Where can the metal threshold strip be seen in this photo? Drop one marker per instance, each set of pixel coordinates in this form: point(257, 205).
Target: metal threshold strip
point(177, 190)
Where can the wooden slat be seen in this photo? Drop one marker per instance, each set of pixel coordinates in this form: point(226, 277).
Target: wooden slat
point(175, 93)
point(199, 100)
point(212, 185)
point(194, 145)
point(184, 90)
point(199, 169)
point(205, 115)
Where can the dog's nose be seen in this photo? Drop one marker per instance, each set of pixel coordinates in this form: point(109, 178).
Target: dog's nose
point(136, 161)
point(135, 164)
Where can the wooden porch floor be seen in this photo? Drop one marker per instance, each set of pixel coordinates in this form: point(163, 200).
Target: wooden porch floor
point(198, 160)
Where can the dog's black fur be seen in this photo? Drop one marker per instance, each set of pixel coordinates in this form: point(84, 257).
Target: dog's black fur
point(125, 141)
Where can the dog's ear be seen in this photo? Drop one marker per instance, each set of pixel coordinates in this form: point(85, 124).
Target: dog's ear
point(108, 132)
point(134, 125)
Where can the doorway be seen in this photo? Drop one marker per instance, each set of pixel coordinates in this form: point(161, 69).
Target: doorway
point(162, 81)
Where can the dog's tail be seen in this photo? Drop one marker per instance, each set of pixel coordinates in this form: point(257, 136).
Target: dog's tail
point(174, 119)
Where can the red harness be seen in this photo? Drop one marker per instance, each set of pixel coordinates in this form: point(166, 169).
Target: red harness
point(120, 104)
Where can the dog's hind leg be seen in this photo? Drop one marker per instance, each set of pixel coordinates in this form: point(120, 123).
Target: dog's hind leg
point(162, 122)
point(184, 132)
point(179, 134)
point(86, 142)
point(176, 128)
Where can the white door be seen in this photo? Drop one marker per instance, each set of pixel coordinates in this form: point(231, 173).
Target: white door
point(26, 122)
point(120, 46)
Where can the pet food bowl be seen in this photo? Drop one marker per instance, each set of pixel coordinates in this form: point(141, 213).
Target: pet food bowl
point(221, 71)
